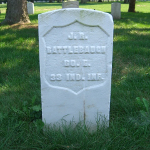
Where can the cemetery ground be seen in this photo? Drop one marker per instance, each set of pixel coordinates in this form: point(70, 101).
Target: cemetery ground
point(20, 100)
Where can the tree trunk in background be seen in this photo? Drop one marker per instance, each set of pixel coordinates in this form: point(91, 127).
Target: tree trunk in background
point(131, 6)
point(16, 12)
point(50, 1)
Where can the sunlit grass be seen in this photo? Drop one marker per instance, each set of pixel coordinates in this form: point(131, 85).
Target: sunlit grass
point(129, 127)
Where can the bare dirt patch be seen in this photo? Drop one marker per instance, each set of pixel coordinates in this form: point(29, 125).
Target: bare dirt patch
point(24, 26)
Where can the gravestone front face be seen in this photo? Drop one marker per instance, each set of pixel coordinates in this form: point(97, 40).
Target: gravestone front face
point(116, 10)
point(30, 8)
point(70, 4)
point(75, 64)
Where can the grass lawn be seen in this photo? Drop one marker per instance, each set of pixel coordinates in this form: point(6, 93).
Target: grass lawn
point(20, 112)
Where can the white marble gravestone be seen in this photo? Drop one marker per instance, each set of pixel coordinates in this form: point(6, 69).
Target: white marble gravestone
point(75, 47)
point(70, 4)
point(30, 8)
point(116, 10)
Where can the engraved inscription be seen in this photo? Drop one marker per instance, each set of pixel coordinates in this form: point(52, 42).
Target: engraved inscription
point(76, 50)
point(76, 59)
point(77, 36)
point(94, 77)
point(74, 77)
point(75, 63)
point(55, 77)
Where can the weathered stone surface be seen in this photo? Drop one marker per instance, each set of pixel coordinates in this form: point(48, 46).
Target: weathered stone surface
point(116, 10)
point(76, 48)
point(30, 8)
point(70, 4)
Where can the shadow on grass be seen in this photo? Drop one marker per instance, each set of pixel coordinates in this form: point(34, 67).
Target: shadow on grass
point(19, 71)
point(34, 18)
point(131, 69)
point(2, 17)
point(133, 18)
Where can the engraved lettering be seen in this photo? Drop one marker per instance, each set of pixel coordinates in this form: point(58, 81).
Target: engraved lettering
point(81, 49)
point(101, 49)
point(78, 64)
point(79, 61)
point(86, 50)
point(82, 36)
point(66, 63)
point(85, 63)
point(99, 77)
point(78, 77)
point(77, 36)
point(59, 49)
point(94, 77)
point(54, 50)
point(92, 49)
point(73, 63)
point(70, 50)
point(57, 77)
point(74, 77)
point(70, 37)
point(52, 77)
point(86, 37)
point(49, 50)
point(83, 78)
point(64, 48)
point(75, 49)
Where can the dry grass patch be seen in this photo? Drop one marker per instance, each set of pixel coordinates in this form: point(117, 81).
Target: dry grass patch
point(24, 26)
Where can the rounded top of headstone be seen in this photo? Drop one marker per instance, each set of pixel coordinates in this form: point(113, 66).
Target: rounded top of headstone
point(80, 11)
point(116, 3)
point(70, 15)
